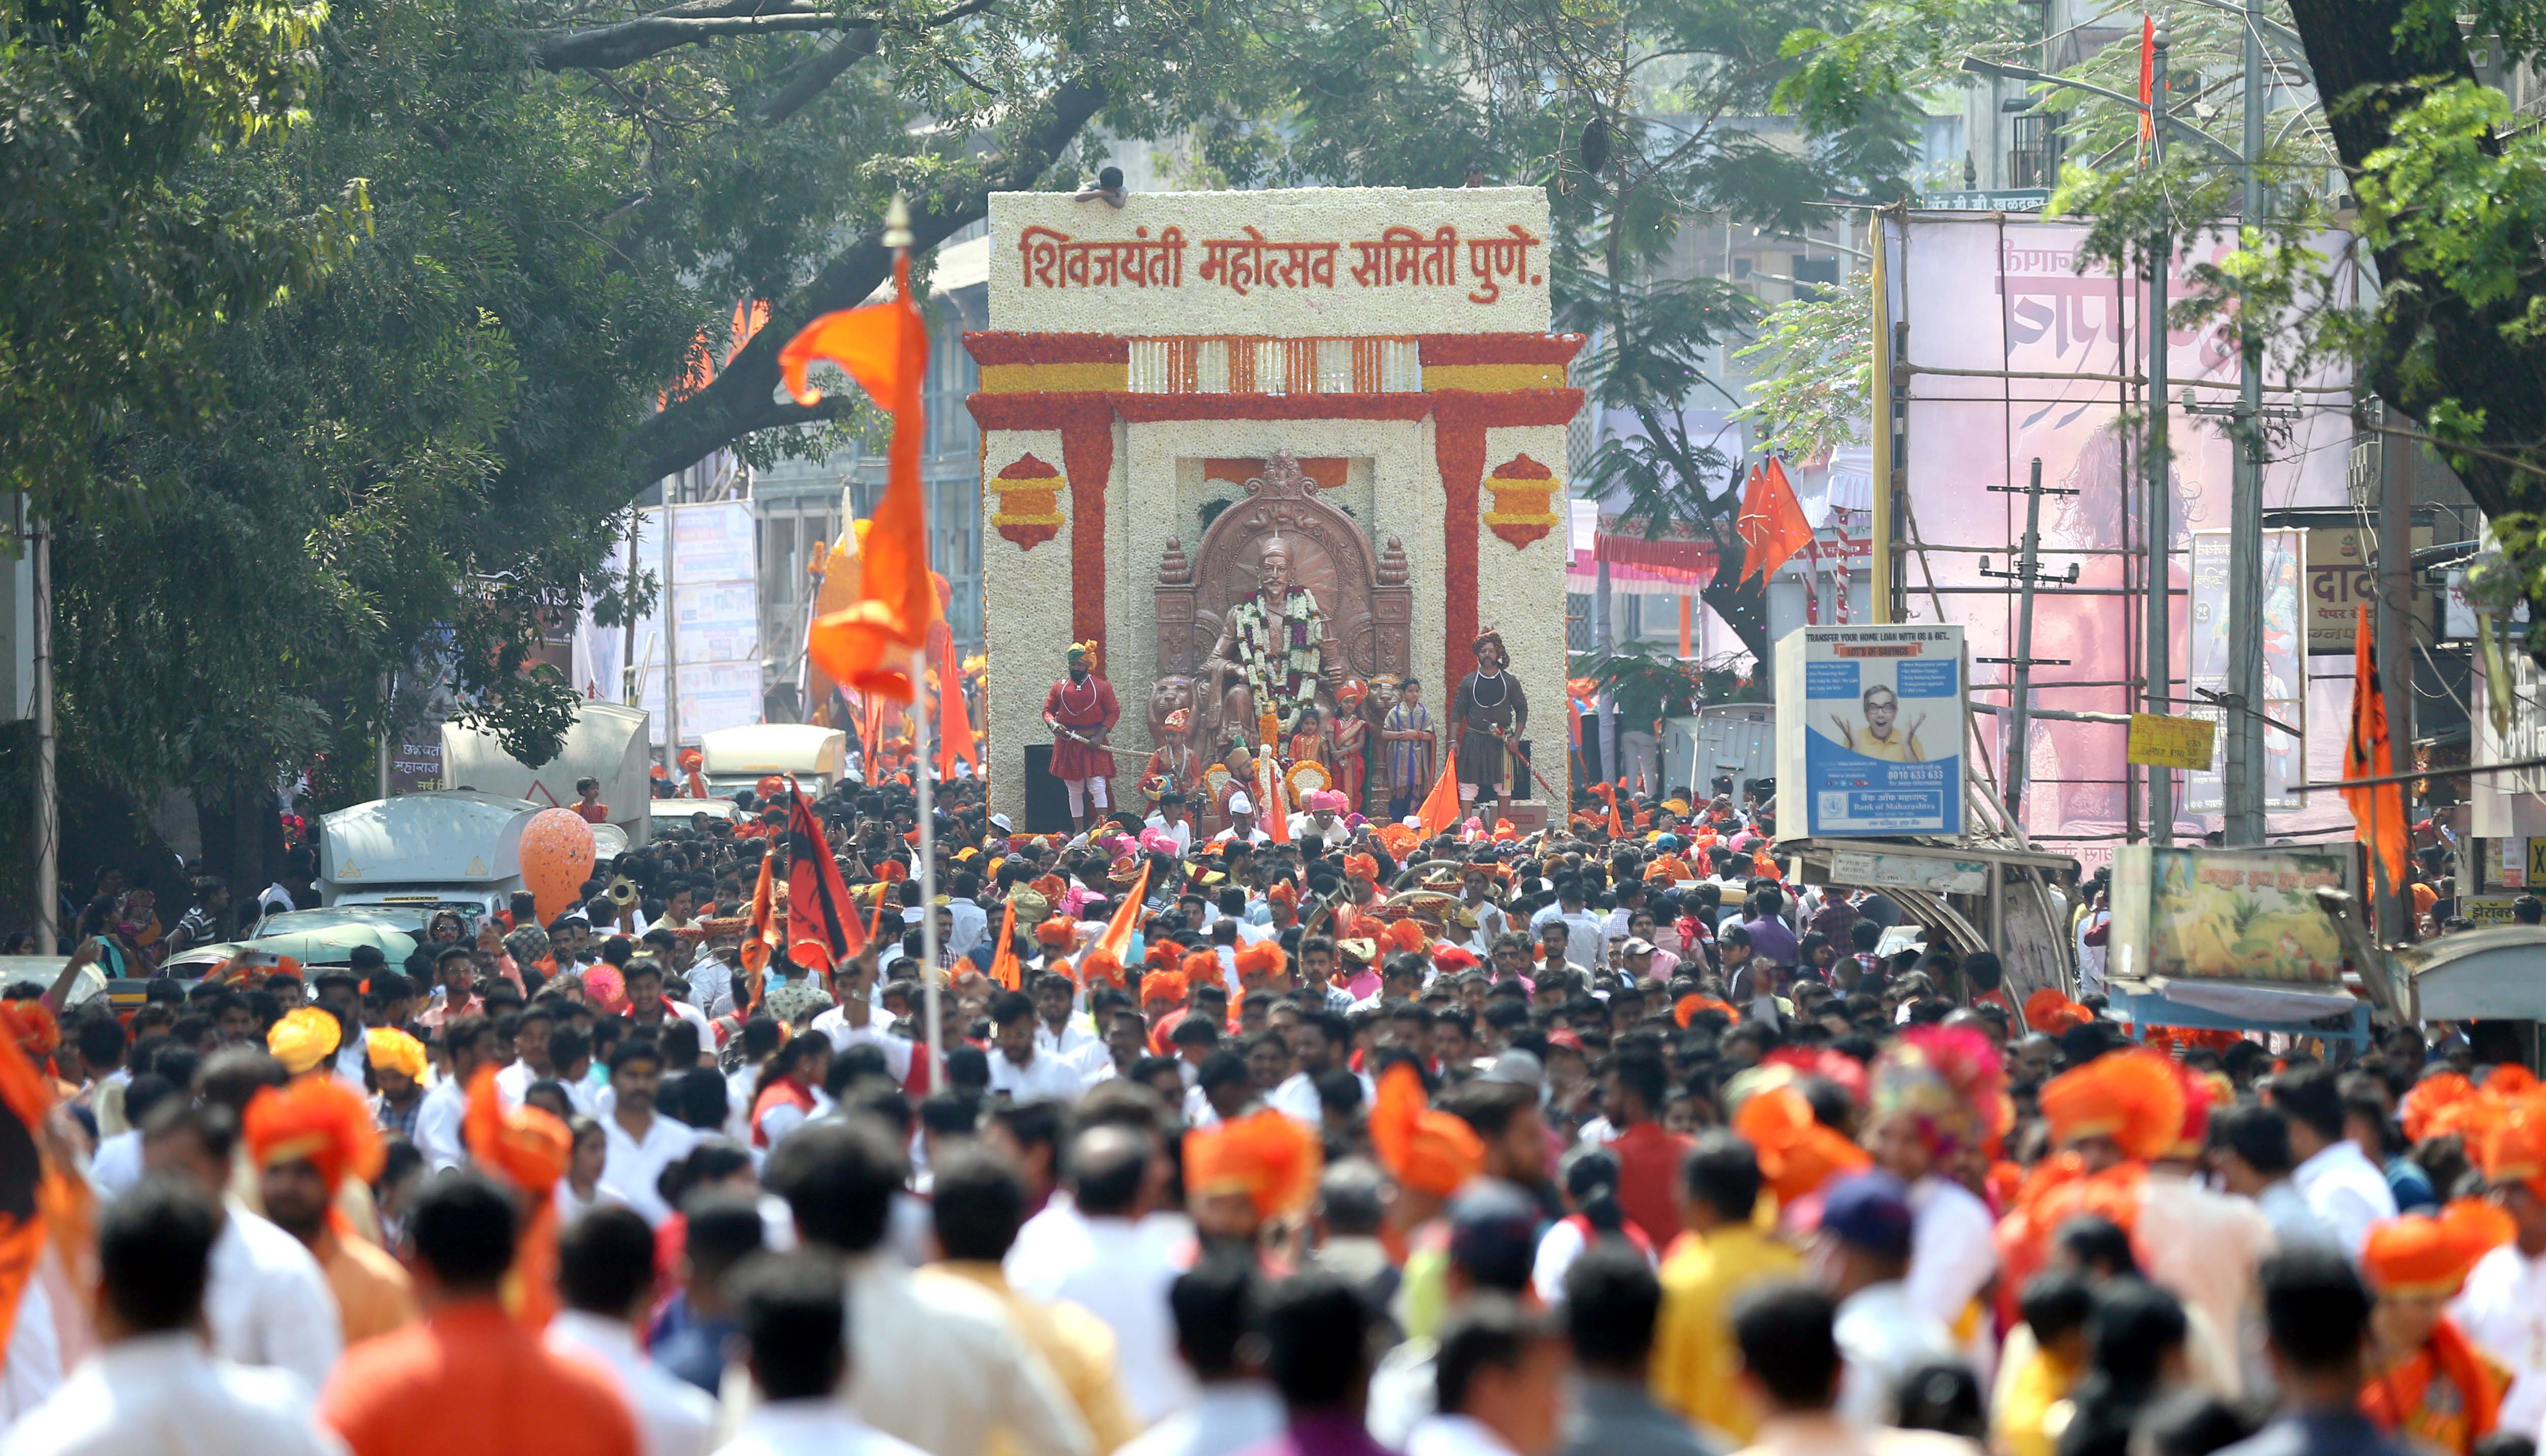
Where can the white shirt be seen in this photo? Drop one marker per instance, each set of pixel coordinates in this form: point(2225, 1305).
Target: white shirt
point(1182, 833)
point(1073, 1044)
point(972, 926)
point(268, 1302)
point(2503, 1308)
point(1586, 936)
point(2346, 1190)
point(1882, 1337)
point(1951, 1252)
point(163, 1395)
point(814, 1428)
point(1121, 1270)
point(898, 1051)
point(742, 1088)
point(437, 1127)
point(1296, 1097)
point(34, 1369)
point(631, 1168)
point(673, 1416)
point(117, 1165)
point(1454, 1435)
point(710, 985)
point(938, 1363)
point(1045, 1078)
point(1227, 1418)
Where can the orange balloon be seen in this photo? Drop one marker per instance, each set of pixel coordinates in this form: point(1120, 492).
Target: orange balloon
point(556, 858)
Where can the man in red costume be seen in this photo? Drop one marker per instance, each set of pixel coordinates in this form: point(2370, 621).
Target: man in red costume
point(1081, 711)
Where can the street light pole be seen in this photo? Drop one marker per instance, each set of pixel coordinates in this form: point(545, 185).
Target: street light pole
point(2158, 462)
point(2245, 763)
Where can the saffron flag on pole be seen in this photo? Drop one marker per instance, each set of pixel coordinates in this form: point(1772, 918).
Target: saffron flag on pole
point(2377, 809)
point(2148, 85)
point(1006, 972)
point(1749, 524)
point(1780, 529)
point(885, 348)
point(1440, 807)
point(822, 929)
point(954, 716)
point(760, 933)
point(1104, 961)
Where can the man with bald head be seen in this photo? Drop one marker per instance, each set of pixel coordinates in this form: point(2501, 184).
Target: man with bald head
point(1102, 1256)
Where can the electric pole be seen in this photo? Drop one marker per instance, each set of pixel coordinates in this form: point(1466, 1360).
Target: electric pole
point(2160, 489)
point(2241, 781)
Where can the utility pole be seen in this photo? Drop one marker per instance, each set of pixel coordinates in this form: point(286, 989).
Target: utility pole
point(2243, 766)
point(2026, 574)
point(2159, 460)
point(670, 615)
point(2395, 639)
point(48, 818)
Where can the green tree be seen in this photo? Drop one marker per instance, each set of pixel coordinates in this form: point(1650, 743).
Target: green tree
point(117, 272)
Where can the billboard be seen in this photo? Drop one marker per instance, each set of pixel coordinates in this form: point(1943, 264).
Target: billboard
point(2020, 346)
point(2284, 668)
point(2231, 915)
point(1870, 730)
point(709, 565)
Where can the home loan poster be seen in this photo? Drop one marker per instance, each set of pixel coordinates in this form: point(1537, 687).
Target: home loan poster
point(1870, 730)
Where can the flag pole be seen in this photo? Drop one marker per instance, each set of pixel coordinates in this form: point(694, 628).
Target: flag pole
point(896, 236)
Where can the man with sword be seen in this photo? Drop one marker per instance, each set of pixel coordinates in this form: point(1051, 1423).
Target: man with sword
point(1081, 711)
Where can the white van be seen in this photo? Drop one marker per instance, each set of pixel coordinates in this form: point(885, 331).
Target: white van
point(739, 757)
point(609, 743)
point(459, 847)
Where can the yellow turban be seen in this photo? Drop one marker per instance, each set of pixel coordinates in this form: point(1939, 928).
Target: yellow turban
point(303, 1039)
point(396, 1051)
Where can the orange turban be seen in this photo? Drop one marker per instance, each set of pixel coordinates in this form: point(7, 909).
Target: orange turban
point(1266, 1155)
point(2425, 1254)
point(1162, 955)
point(1169, 986)
point(2513, 1146)
point(2439, 1104)
point(1283, 893)
point(1427, 1150)
point(1264, 957)
point(1401, 935)
point(1401, 840)
point(2050, 1013)
point(1686, 1009)
point(1050, 886)
point(2509, 1079)
point(528, 1146)
point(1796, 1153)
point(317, 1118)
point(1362, 866)
point(1200, 966)
point(1057, 932)
point(2133, 1097)
point(530, 1149)
point(32, 1026)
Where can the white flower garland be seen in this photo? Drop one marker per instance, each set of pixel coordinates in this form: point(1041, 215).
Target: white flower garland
point(1302, 628)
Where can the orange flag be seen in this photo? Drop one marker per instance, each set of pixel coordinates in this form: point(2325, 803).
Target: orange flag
point(1440, 807)
point(954, 715)
point(1778, 529)
point(761, 935)
point(1272, 807)
point(1617, 825)
point(1106, 956)
point(885, 348)
point(2148, 83)
point(2377, 809)
point(1003, 964)
point(1748, 524)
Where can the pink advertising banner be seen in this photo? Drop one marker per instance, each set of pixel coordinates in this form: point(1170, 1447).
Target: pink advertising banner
point(2005, 328)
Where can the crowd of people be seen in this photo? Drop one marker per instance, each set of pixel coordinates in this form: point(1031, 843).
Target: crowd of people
point(1602, 1138)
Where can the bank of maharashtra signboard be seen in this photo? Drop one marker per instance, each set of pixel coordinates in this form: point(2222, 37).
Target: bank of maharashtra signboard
point(1870, 730)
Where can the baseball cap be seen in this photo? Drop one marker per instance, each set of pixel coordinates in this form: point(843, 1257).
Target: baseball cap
point(1494, 1235)
point(1869, 1211)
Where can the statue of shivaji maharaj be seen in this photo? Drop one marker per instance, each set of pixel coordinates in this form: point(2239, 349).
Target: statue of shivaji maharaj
point(1273, 653)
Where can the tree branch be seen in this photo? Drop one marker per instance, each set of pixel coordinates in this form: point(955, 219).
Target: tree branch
point(827, 68)
point(608, 48)
point(740, 401)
